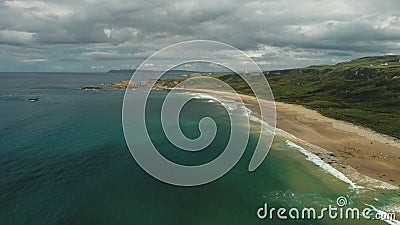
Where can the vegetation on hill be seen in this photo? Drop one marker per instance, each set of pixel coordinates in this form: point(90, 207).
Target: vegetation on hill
point(364, 91)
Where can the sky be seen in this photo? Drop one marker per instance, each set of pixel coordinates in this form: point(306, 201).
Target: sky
point(98, 35)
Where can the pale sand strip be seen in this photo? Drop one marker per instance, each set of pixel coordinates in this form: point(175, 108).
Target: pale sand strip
point(349, 148)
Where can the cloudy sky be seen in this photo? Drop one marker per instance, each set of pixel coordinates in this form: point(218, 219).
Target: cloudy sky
point(97, 35)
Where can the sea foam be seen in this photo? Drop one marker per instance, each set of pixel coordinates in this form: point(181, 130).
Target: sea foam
point(230, 105)
point(386, 215)
point(323, 165)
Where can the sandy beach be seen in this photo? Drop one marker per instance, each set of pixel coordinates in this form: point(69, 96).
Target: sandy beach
point(349, 148)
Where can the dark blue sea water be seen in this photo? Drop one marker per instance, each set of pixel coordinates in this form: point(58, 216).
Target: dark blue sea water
point(64, 160)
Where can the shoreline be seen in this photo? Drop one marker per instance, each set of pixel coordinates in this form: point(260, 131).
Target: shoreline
point(368, 158)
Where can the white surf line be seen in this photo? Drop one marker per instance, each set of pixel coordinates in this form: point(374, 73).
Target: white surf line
point(385, 215)
point(310, 156)
point(392, 208)
point(263, 123)
point(323, 165)
point(230, 105)
point(351, 173)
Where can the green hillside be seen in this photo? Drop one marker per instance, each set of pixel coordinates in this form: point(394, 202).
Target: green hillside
point(363, 91)
point(352, 91)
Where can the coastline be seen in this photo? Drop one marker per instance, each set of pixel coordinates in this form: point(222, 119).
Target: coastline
point(370, 153)
point(368, 158)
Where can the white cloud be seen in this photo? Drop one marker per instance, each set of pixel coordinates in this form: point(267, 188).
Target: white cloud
point(97, 67)
point(33, 60)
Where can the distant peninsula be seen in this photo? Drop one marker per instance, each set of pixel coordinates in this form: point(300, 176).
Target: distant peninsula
point(121, 71)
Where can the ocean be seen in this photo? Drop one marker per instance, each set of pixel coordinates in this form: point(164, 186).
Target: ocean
point(64, 160)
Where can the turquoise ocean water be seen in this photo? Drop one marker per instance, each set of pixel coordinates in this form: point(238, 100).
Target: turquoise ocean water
point(64, 160)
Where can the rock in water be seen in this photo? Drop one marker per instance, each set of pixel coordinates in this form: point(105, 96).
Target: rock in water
point(92, 88)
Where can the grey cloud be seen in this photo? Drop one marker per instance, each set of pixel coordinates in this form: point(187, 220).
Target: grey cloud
point(335, 30)
point(107, 56)
point(13, 37)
